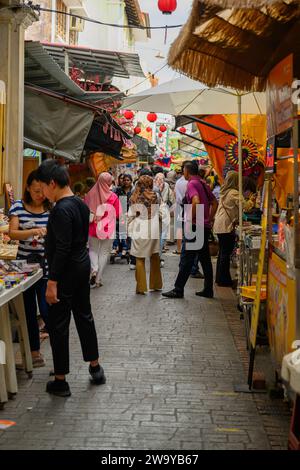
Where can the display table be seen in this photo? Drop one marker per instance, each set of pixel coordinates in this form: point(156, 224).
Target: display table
point(13, 299)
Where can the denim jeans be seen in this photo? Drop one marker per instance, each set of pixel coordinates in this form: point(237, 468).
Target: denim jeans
point(187, 261)
point(36, 293)
point(120, 244)
point(195, 268)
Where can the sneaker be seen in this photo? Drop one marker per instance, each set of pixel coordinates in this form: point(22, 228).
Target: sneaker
point(205, 293)
point(93, 281)
point(132, 267)
point(173, 294)
point(38, 361)
point(113, 252)
point(60, 388)
point(124, 253)
point(97, 374)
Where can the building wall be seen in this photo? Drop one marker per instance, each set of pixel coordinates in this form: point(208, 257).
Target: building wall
point(41, 30)
point(109, 38)
point(104, 37)
point(47, 29)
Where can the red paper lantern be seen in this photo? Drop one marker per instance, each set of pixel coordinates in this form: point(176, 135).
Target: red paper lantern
point(163, 128)
point(183, 130)
point(137, 130)
point(149, 129)
point(129, 115)
point(160, 135)
point(167, 6)
point(152, 117)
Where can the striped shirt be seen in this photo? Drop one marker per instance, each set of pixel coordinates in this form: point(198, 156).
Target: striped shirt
point(29, 220)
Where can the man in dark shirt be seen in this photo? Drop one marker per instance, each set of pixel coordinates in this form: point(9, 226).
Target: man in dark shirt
point(68, 287)
point(197, 193)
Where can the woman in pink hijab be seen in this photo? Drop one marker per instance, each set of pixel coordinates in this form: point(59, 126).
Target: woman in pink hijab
point(105, 208)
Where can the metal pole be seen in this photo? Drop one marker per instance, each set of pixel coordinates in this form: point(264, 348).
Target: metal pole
point(240, 136)
point(67, 62)
point(201, 140)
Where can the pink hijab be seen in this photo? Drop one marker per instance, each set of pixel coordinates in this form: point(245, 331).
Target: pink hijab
point(100, 193)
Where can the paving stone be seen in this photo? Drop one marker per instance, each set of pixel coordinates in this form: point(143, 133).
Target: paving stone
point(170, 368)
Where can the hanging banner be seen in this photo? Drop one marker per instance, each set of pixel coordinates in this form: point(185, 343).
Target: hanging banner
point(279, 97)
point(281, 308)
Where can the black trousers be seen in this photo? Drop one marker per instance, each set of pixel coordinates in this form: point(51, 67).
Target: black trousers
point(74, 296)
point(187, 261)
point(31, 296)
point(226, 247)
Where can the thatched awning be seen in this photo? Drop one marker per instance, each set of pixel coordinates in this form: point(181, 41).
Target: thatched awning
point(237, 47)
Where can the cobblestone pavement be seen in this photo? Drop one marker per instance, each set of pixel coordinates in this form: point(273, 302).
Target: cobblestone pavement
point(170, 368)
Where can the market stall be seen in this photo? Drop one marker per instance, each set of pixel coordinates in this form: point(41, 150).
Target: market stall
point(12, 313)
point(16, 276)
point(283, 307)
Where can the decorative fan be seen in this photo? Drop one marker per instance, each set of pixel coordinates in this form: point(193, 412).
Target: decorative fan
point(249, 151)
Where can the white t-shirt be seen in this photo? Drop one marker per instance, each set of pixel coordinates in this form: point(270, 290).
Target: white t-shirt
point(180, 189)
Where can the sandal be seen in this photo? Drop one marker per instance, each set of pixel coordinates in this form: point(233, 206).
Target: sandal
point(38, 361)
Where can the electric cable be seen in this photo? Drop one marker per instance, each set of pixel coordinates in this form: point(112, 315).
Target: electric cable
point(38, 8)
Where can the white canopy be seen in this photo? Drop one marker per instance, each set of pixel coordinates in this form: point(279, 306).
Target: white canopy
point(184, 96)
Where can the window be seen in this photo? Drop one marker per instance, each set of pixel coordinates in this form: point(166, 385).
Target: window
point(73, 38)
point(61, 20)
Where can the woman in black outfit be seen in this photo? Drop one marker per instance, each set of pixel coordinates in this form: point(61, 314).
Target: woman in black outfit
point(68, 288)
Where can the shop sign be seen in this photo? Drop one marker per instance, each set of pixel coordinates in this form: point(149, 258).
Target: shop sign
point(281, 308)
point(279, 97)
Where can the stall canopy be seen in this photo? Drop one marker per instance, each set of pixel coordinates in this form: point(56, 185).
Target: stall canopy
point(45, 66)
point(183, 96)
point(64, 126)
point(144, 147)
point(237, 47)
point(109, 63)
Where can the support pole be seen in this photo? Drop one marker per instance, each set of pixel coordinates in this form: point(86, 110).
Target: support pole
point(240, 136)
point(203, 141)
point(67, 62)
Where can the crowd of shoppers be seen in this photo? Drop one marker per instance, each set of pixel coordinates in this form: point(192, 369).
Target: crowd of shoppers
point(71, 236)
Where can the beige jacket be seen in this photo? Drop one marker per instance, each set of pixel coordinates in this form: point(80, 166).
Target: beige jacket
point(144, 234)
point(228, 212)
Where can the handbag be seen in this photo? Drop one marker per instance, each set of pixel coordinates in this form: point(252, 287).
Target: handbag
point(213, 245)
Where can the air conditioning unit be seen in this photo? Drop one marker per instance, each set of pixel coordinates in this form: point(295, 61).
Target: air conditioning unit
point(76, 24)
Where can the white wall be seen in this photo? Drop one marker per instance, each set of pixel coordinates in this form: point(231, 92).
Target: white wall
point(103, 37)
point(108, 38)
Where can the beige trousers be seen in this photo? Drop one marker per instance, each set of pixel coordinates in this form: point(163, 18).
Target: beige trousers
point(155, 274)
